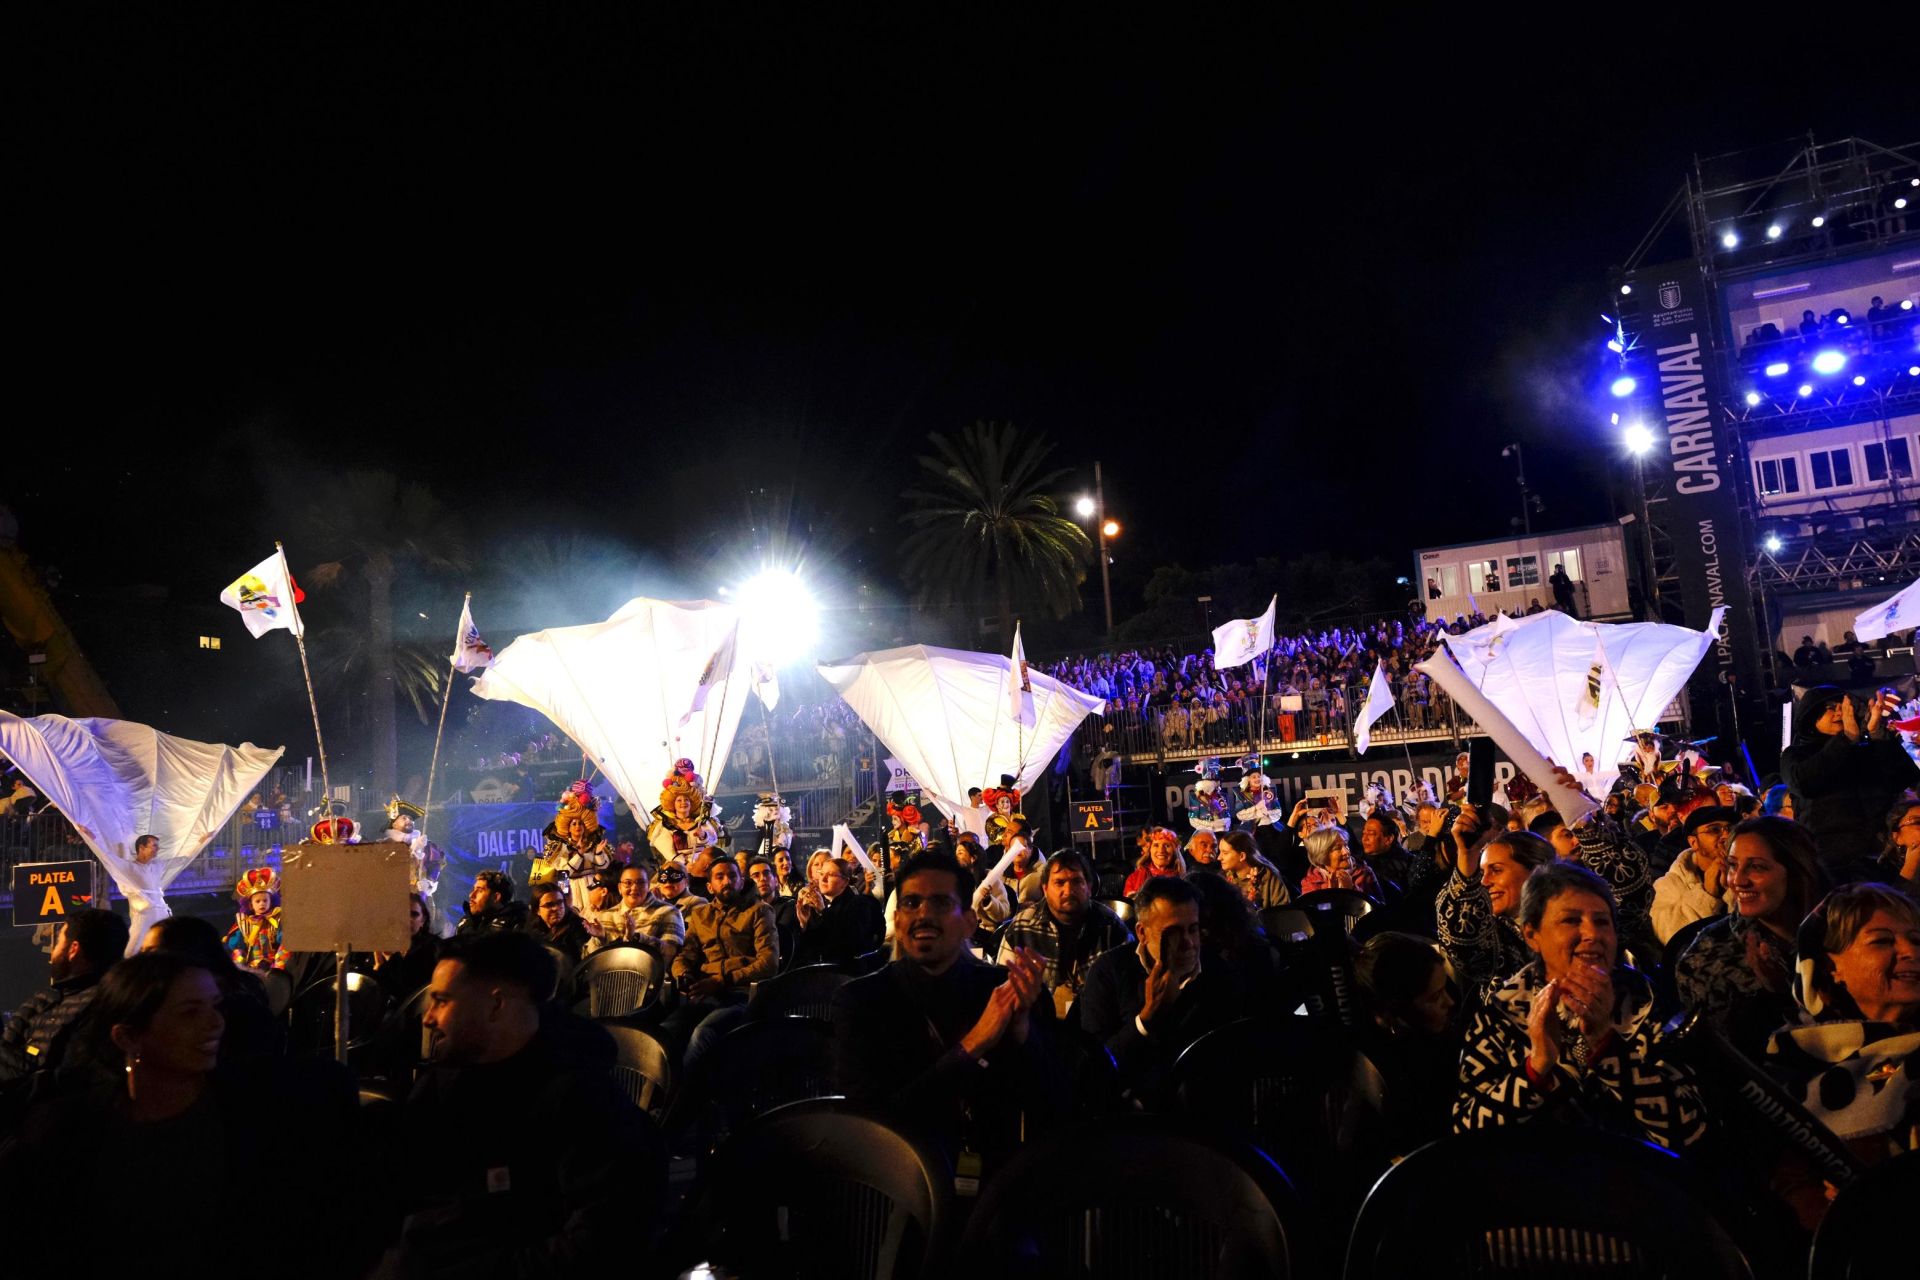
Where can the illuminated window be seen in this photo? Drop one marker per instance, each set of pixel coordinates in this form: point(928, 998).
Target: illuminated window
point(209, 642)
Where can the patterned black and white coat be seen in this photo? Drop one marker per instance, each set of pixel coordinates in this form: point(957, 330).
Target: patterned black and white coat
point(1624, 1087)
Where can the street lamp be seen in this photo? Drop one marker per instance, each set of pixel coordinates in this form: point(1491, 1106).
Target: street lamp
point(1085, 507)
point(1526, 504)
point(1094, 506)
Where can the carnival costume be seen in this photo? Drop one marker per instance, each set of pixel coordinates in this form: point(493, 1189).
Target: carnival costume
point(677, 838)
point(567, 859)
point(256, 942)
point(333, 826)
point(906, 835)
point(1002, 802)
point(774, 821)
point(1208, 810)
point(424, 875)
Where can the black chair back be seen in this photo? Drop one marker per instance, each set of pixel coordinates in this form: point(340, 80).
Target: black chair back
point(619, 980)
point(1866, 1233)
point(1135, 1197)
point(1120, 907)
point(279, 989)
point(1666, 981)
point(1284, 925)
point(1540, 1200)
point(766, 1063)
point(818, 1189)
point(642, 1067)
point(806, 992)
point(867, 962)
point(1335, 907)
point(1298, 1089)
point(310, 1022)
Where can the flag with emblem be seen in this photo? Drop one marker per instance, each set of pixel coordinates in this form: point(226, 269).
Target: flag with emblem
point(266, 597)
point(470, 652)
point(1240, 641)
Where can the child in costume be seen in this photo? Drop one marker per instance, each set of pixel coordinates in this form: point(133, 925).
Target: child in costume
point(255, 939)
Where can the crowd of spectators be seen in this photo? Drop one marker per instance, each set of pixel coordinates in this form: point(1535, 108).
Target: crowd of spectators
point(1883, 328)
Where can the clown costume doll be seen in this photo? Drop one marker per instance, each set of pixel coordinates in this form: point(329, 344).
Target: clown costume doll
point(255, 941)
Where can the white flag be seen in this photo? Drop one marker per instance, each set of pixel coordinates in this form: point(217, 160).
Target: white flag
point(1240, 641)
point(766, 684)
point(718, 671)
point(1884, 619)
point(266, 597)
point(1379, 702)
point(470, 652)
point(1019, 685)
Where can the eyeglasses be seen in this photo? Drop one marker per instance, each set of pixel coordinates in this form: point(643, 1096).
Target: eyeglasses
point(940, 904)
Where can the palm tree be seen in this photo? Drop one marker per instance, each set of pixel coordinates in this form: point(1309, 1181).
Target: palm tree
point(985, 525)
point(379, 534)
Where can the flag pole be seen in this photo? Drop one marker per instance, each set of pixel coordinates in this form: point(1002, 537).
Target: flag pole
point(313, 703)
point(446, 696)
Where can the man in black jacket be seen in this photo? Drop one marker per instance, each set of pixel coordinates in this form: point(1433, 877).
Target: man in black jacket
point(490, 905)
point(85, 946)
point(1148, 1003)
point(1845, 776)
point(834, 924)
point(952, 1047)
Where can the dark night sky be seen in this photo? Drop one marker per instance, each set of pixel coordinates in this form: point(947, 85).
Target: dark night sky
point(1294, 286)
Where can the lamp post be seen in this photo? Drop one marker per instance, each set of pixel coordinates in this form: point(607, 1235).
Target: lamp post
point(1103, 529)
point(1526, 506)
point(1639, 440)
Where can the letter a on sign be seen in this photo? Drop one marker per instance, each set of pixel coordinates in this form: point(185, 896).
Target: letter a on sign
point(1093, 821)
point(50, 905)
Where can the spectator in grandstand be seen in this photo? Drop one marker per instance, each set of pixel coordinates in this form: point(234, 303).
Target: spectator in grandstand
point(490, 905)
point(1844, 774)
point(941, 1041)
point(1383, 855)
point(1258, 880)
point(834, 923)
point(1203, 849)
point(1737, 972)
point(1413, 1039)
point(1695, 885)
point(1572, 1036)
point(1900, 859)
point(1233, 943)
point(1478, 911)
point(766, 883)
point(1067, 929)
point(1159, 856)
point(1148, 1003)
point(791, 880)
point(1333, 866)
point(553, 922)
point(85, 946)
point(1852, 1060)
point(401, 973)
point(732, 943)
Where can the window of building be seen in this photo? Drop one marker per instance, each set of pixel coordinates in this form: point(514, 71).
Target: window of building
point(1830, 468)
point(1483, 575)
point(1568, 560)
point(1892, 458)
point(1441, 580)
point(1522, 571)
point(1778, 475)
point(209, 642)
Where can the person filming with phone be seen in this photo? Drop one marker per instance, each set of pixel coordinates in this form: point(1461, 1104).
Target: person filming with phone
point(1845, 767)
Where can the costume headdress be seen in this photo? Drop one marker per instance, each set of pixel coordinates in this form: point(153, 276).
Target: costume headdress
point(257, 880)
point(901, 805)
point(675, 788)
point(333, 826)
point(397, 806)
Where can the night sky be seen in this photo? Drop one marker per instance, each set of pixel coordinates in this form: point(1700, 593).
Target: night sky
point(599, 278)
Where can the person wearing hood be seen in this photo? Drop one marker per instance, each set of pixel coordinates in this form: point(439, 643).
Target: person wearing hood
point(1845, 773)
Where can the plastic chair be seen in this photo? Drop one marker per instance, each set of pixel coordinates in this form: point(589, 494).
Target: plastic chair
point(1324, 906)
point(1537, 1200)
point(310, 1028)
point(642, 1067)
point(1666, 983)
point(1866, 1232)
point(1120, 907)
point(766, 1063)
point(1138, 1197)
point(279, 989)
point(821, 1190)
point(1298, 1089)
point(806, 992)
point(865, 963)
point(619, 980)
point(1284, 925)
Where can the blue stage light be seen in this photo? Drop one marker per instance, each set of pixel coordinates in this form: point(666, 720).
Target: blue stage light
point(1625, 289)
point(1638, 439)
point(1778, 369)
point(1753, 398)
point(1806, 389)
point(1729, 241)
point(1913, 371)
point(1906, 304)
point(1613, 345)
point(1773, 231)
point(1901, 203)
point(1819, 220)
point(1624, 386)
point(1859, 379)
point(1773, 543)
point(1829, 362)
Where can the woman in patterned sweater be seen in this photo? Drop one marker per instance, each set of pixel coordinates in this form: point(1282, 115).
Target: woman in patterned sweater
point(1478, 910)
point(1571, 1037)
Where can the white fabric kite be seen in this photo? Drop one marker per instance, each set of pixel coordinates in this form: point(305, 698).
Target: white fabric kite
point(1573, 687)
point(1901, 613)
point(1445, 672)
point(658, 681)
point(116, 781)
point(944, 713)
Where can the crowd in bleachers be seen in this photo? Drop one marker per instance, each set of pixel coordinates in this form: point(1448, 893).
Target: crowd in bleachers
point(1290, 1005)
point(1883, 328)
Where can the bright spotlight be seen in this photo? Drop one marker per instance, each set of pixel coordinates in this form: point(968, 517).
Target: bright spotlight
point(1753, 398)
point(1773, 232)
point(1906, 304)
point(1613, 345)
point(1616, 419)
point(1914, 183)
point(1819, 220)
point(1913, 371)
point(1901, 203)
point(1111, 529)
point(1729, 241)
point(1778, 369)
point(1624, 386)
point(779, 621)
point(1829, 361)
point(1085, 506)
point(1625, 289)
point(1806, 389)
point(1638, 438)
point(1773, 543)
point(1859, 379)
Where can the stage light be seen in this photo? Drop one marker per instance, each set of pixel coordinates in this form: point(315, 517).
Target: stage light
point(1901, 203)
point(1085, 506)
point(1773, 543)
point(1753, 398)
point(1624, 386)
point(1638, 438)
point(1773, 232)
point(1829, 362)
point(1625, 289)
point(1913, 371)
point(1613, 345)
point(1730, 240)
point(1914, 183)
point(1778, 369)
point(1819, 220)
point(779, 621)
point(1806, 389)
point(1616, 419)
point(1859, 379)
point(1906, 304)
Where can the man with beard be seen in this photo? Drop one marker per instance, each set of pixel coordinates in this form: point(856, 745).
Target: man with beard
point(1067, 929)
point(496, 1197)
point(732, 943)
point(945, 1044)
point(84, 948)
